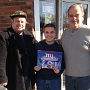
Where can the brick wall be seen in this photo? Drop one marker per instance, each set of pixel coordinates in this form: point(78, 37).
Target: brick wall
point(8, 7)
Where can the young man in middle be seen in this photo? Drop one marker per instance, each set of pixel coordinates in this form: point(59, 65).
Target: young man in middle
point(48, 76)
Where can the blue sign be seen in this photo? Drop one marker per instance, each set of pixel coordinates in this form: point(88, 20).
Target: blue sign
point(48, 59)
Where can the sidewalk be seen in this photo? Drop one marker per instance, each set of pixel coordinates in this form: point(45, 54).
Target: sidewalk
point(2, 88)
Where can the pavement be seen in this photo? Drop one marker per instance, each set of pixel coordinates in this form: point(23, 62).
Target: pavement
point(2, 88)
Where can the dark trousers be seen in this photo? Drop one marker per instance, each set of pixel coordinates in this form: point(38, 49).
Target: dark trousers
point(77, 83)
point(27, 82)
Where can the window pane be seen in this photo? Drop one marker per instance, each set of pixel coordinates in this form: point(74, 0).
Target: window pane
point(47, 10)
point(66, 5)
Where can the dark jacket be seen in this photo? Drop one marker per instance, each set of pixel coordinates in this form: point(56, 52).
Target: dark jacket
point(13, 58)
point(49, 74)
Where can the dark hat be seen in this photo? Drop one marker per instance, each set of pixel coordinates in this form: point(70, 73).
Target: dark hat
point(19, 13)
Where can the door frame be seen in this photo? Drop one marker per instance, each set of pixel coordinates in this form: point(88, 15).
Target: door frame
point(37, 20)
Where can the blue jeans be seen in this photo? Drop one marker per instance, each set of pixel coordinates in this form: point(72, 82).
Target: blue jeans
point(27, 82)
point(54, 84)
point(77, 83)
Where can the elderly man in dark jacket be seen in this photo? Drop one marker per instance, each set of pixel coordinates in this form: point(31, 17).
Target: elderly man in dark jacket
point(17, 54)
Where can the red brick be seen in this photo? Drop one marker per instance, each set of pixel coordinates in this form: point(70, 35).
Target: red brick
point(9, 4)
point(7, 7)
point(20, 3)
point(13, 8)
point(3, 1)
point(25, 7)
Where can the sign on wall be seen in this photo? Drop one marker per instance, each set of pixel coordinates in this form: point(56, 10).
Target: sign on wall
point(47, 8)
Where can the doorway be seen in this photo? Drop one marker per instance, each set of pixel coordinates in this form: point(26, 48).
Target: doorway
point(55, 11)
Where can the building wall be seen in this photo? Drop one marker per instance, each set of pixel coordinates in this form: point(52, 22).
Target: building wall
point(8, 7)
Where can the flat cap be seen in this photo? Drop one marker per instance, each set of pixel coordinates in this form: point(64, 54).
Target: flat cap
point(18, 13)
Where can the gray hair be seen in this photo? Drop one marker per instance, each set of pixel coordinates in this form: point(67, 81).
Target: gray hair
point(74, 5)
